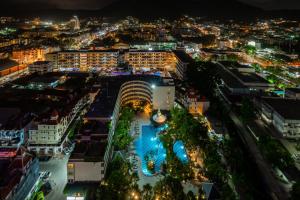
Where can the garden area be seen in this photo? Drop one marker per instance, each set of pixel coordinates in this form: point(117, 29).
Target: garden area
point(189, 157)
point(122, 137)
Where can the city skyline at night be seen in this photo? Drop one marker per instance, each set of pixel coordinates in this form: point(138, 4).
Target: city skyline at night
point(149, 100)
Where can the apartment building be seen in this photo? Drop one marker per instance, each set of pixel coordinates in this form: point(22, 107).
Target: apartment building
point(182, 62)
point(95, 60)
point(86, 60)
point(30, 55)
point(141, 59)
point(40, 67)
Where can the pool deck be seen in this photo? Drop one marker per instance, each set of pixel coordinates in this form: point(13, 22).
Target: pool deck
point(135, 130)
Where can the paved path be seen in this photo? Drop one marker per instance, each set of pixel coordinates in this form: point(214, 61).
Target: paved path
point(276, 191)
point(58, 178)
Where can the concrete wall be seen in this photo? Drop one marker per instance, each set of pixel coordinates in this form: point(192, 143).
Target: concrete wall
point(85, 171)
point(163, 97)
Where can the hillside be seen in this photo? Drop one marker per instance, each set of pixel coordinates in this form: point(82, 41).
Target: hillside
point(174, 8)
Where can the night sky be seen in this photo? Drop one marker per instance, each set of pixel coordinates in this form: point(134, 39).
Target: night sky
point(96, 4)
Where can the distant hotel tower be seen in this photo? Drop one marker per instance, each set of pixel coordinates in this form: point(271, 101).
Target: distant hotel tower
point(76, 22)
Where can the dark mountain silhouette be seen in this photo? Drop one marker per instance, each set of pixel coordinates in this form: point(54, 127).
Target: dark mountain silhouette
point(150, 9)
point(174, 8)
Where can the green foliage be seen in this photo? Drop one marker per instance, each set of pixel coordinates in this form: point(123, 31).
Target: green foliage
point(183, 126)
point(232, 57)
point(295, 193)
point(207, 72)
point(257, 67)
point(177, 169)
point(227, 193)
point(251, 50)
point(147, 192)
point(212, 161)
point(247, 110)
point(273, 150)
point(118, 181)
point(169, 188)
point(190, 196)
point(122, 137)
point(40, 196)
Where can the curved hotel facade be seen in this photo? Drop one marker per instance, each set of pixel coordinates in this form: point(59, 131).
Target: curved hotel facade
point(136, 90)
point(113, 93)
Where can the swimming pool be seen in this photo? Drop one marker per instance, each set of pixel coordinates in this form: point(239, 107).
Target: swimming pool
point(180, 152)
point(150, 149)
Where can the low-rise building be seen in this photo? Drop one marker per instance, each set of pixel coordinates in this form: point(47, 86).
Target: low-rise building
point(95, 60)
point(87, 163)
point(10, 69)
point(40, 67)
point(13, 127)
point(283, 114)
point(293, 93)
point(240, 79)
point(19, 176)
point(48, 133)
point(190, 98)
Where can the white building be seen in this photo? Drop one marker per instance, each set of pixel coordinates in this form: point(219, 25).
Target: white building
point(82, 171)
point(118, 91)
point(48, 135)
point(283, 114)
point(163, 95)
point(192, 101)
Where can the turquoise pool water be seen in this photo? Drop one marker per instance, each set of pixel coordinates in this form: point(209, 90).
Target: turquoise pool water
point(150, 148)
point(180, 152)
point(279, 92)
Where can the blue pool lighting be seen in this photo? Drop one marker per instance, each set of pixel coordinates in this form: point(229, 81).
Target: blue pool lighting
point(148, 145)
point(180, 152)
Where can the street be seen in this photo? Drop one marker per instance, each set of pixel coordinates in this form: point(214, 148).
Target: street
point(274, 189)
point(58, 178)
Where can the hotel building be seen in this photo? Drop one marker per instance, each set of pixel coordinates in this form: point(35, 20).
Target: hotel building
point(94, 60)
point(140, 59)
point(85, 60)
point(115, 92)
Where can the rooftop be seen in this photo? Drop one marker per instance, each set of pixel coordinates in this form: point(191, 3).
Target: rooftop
point(89, 151)
point(183, 56)
point(6, 64)
point(294, 90)
point(249, 77)
point(287, 108)
point(41, 62)
point(105, 101)
point(8, 114)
